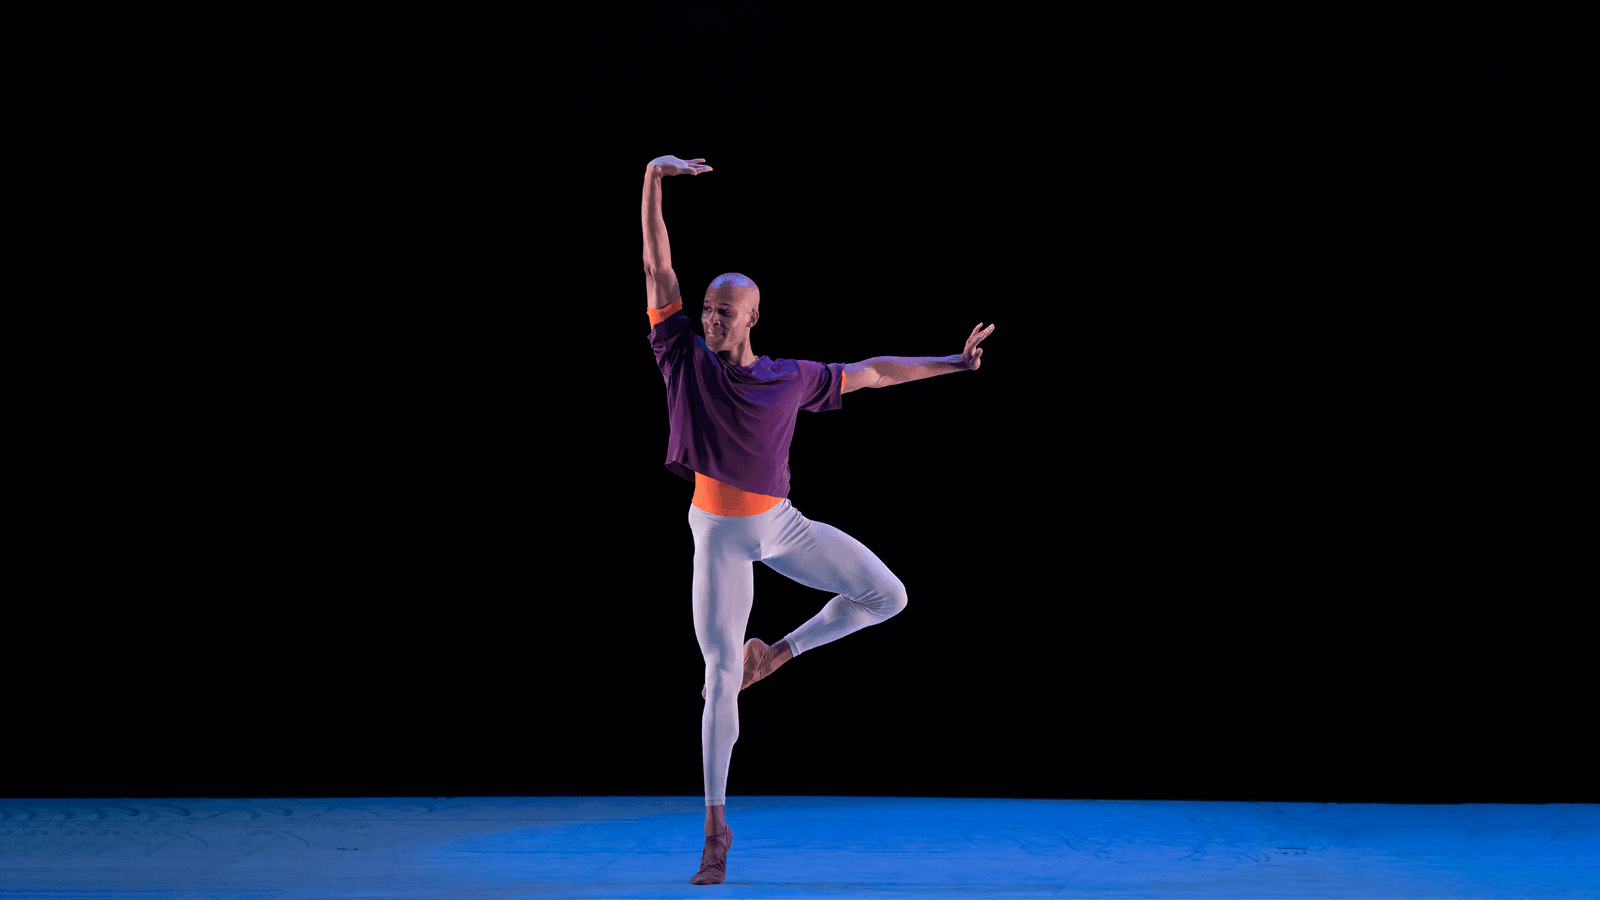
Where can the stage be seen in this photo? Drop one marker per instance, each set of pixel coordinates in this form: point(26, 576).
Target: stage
point(648, 847)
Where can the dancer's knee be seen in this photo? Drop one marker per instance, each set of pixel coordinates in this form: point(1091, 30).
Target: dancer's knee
point(728, 672)
point(894, 599)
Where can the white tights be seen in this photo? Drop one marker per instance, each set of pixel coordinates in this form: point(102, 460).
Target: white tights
point(816, 555)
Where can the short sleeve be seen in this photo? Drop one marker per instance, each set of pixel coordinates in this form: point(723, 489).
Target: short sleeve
point(821, 385)
point(670, 336)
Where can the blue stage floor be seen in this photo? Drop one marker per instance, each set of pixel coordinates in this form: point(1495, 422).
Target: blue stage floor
point(647, 847)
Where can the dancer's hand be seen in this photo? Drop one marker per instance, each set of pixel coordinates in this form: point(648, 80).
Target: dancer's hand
point(671, 165)
point(972, 356)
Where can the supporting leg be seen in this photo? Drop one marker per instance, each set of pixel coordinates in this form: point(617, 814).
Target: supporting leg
point(724, 590)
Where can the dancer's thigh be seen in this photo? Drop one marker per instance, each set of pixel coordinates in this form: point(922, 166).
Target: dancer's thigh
point(821, 556)
point(724, 591)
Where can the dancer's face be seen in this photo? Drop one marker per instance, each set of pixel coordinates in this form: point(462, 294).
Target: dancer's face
point(727, 318)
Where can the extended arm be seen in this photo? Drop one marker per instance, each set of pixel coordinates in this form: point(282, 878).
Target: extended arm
point(882, 371)
point(660, 282)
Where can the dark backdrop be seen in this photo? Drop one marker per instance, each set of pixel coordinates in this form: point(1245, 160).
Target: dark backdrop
point(1235, 507)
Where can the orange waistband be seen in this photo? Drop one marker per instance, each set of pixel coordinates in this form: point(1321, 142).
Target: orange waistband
point(721, 499)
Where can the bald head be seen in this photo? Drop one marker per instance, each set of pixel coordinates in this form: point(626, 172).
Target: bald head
point(732, 308)
point(737, 289)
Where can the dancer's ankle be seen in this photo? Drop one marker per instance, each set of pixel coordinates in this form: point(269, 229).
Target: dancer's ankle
point(716, 820)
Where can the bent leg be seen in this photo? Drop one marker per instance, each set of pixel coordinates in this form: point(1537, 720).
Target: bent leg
point(821, 556)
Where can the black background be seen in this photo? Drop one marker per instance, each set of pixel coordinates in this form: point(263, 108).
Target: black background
point(1242, 503)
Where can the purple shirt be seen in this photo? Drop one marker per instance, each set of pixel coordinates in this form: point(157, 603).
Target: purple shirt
point(735, 423)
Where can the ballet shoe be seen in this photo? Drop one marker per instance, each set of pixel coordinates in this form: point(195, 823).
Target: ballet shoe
point(714, 858)
point(757, 656)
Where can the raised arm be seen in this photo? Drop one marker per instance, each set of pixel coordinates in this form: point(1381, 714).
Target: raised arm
point(660, 282)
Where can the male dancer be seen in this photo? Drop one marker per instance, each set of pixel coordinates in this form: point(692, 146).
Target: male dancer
point(732, 417)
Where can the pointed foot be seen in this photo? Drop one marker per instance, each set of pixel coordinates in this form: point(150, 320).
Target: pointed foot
point(714, 859)
point(758, 659)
